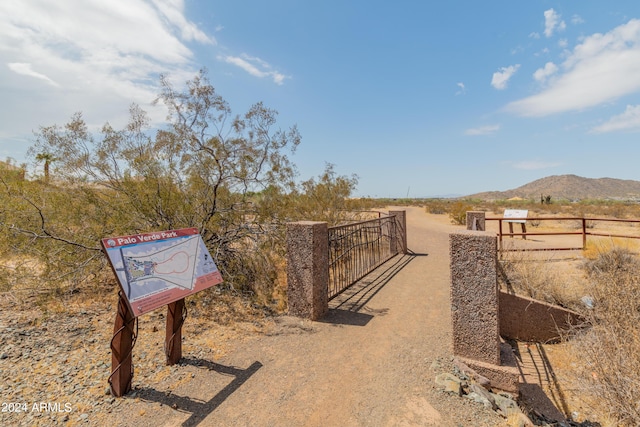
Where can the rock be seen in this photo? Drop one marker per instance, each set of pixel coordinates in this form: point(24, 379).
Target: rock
point(481, 395)
point(478, 398)
point(451, 383)
point(445, 377)
point(468, 372)
point(506, 406)
point(453, 388)
point(520, 420)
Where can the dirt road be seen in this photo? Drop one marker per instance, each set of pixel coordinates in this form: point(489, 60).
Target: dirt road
point(370, 362)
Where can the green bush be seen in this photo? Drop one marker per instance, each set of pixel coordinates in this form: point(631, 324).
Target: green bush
point(458, 212)
point(436, 207)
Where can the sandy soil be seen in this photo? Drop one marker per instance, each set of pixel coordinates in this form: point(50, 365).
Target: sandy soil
point(370, 362)
point(366, 364)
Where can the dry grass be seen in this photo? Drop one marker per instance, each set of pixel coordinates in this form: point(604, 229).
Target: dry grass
point(601, 364)
point(545, 277)
point(610, 349)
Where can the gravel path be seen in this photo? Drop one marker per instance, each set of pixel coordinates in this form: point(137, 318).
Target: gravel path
point(370, 362)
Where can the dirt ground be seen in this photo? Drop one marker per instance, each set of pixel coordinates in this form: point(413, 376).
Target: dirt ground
point(370, 362)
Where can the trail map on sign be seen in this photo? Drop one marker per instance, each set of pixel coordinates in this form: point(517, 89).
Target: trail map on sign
point(155, 269)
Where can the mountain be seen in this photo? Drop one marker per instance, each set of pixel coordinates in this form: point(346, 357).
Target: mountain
point(569, 187)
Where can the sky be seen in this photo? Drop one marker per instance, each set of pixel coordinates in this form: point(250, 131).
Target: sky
point(416, 98)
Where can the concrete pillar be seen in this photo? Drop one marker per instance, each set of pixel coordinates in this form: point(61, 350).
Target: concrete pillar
point(474, 296)
point(307, 269)
point(476, 220)
point(399, 242)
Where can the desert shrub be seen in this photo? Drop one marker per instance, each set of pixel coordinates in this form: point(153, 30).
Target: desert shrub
point(534, 223)
point(612, 261)
point(534, 278)
point(436, 207)
point(458, 212)
point(228, 176)
point(610, 349)
point(326, 198)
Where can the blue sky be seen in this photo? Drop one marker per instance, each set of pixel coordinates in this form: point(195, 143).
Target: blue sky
point(416, 98)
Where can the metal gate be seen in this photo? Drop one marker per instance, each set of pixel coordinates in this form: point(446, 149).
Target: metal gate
point(357, 249)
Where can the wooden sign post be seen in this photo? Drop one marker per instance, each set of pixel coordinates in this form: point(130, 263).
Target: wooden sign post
point(176, 314)
point(519, 216)
point(122, 348)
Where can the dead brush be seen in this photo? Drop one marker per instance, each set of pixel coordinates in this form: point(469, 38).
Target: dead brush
point(609, 351)
point(536, 277)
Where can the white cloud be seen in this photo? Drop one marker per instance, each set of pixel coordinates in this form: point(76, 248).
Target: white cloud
point(501, 77)
point(552, 22)
point(542, 74)
point(255, 66)
point(535, 165)
point(173, 11)
point(627, 121)
point(483, 130)
point(543, 52)
point(97, 57)
point(603, 68)
point(26, 70)
point(577, 19)
point(534, 35)
point(461, 89)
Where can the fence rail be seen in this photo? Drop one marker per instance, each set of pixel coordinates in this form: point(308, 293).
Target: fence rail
point(357, 249)
point(584, 232)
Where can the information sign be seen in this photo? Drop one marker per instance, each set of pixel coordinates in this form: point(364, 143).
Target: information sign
point(515, 213)
point(158, 268)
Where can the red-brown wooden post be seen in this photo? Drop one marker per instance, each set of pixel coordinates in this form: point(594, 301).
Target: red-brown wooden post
point(173, 340)
point(121, 348)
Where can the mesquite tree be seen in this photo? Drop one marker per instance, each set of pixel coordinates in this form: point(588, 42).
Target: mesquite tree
point(197, 171)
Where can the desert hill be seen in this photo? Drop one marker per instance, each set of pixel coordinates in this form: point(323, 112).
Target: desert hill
point(570, 187)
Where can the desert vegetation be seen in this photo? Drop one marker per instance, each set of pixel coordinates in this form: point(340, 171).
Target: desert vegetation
point(229, 176)
point(621, 209)
point(232, 178)
point(608, 349)
point(601, 283)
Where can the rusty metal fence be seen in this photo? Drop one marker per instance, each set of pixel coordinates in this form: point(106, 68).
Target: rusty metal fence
point(357, 249)
point(583, 231)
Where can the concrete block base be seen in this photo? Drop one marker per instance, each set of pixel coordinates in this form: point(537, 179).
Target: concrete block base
point(505, 376)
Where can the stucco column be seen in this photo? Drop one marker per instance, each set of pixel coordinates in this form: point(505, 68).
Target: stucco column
point(474, 296)
point(399, 242)
point(307, 269)
point(476, 220)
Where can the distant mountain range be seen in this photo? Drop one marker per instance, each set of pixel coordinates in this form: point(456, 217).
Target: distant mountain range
point(569, 187)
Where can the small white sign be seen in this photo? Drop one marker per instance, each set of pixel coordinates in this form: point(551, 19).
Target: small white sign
point(516, 213)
